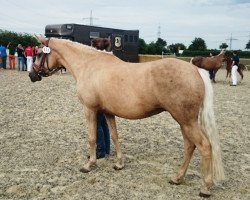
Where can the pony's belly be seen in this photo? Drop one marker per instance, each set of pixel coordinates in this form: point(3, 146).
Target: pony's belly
point(135, 113)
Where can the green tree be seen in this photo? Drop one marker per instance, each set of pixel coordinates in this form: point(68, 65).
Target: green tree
point(223, 46)
point(198, 44)
point(174, 48)
point(151, 48)
point(17, 38)
point(142, 46)
point(248, 45)
point(160, 46)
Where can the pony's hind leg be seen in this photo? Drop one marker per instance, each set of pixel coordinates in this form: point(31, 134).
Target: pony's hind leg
point(114, 136)
point(196, 136)
point(188, 152)
point(241, 74)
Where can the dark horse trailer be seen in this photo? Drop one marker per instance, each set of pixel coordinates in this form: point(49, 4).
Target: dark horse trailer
point(124, 42)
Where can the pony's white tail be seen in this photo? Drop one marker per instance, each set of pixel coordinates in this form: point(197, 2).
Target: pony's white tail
point(191, 61)
point(208, 126)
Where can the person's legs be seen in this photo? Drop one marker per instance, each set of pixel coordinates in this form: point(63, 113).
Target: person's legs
point(22, 61)
point(211, 74)
point(4, 61)
point(234, 75)
point(106, 133)
point(29, 63)
point(1, 63)
point(100, 141)
point(12, 61)
point(18, 63)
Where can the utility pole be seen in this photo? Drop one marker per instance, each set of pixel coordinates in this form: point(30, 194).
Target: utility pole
point(159, 31)
point(231, 41)
point(90, 18)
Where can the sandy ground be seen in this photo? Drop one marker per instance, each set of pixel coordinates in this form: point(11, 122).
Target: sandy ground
point(43, 144)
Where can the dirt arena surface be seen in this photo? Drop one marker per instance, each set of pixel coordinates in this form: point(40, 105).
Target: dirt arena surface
point(43, 144)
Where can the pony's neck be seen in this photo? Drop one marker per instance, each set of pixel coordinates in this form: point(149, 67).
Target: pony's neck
point(69, 53)
point(221, 55)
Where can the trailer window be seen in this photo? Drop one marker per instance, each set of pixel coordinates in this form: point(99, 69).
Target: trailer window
point(69, 27)
point(135, 38)
point(125, 38)
point(131, 38)
point(94, 34)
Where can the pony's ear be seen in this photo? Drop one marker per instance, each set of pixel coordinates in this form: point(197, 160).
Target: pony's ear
point(41, 39)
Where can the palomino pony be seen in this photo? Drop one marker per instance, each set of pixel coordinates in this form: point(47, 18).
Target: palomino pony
point(135, 91)
point(240, 69)
point(209, 63)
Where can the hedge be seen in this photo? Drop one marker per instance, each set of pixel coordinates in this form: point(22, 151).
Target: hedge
point(188, 53)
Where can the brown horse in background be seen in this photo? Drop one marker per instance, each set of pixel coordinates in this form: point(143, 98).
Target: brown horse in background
point(209, 63)
point(240, 69)
point(101, 44)
point(138, 90)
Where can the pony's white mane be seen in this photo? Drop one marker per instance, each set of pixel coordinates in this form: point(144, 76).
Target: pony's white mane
point(222, 51)
point(83, 46)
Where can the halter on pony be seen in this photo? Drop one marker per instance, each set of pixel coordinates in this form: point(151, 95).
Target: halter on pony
point(40, 69)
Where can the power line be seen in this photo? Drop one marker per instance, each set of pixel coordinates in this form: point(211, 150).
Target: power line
point(90, 18)
point(231, 41)
point(159, 31)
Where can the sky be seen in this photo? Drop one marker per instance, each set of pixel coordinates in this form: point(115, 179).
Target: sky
point(176, 21)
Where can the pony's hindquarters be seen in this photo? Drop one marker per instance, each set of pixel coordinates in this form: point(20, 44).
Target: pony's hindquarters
point(208, 126)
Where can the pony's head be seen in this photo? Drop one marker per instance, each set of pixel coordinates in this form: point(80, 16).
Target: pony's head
point(46, 62)
point(101, 44)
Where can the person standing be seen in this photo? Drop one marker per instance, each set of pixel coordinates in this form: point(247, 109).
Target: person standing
point(20, 57)
point(28, 52)
point(12, 51)
point(3, 55)
point(235, 65)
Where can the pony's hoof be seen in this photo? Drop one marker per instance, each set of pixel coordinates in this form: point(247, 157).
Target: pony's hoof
point(204, 195)
point(117, 168)
point(84, 170)
point(174, 183)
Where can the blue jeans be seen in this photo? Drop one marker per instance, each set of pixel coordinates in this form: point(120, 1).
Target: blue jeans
point(102, 136)
point(20, 60)
point(4, 61)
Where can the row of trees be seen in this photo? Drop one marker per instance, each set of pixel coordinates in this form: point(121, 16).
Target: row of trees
point(160, 46)
point(17, 38)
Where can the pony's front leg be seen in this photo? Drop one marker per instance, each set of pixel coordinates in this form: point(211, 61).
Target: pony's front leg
point(114, 136)
point(91, 117)
point(241, 74)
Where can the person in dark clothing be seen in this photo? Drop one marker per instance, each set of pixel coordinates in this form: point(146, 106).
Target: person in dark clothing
point(20, 57)
point(211, 71)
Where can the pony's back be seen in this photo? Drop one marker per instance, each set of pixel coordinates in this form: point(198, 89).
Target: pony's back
point(197, 61)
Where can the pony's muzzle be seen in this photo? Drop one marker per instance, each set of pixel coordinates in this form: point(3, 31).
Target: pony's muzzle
point(35, 77)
